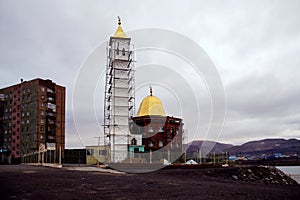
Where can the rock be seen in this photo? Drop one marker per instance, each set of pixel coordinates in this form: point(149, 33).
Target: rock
point(235, 177)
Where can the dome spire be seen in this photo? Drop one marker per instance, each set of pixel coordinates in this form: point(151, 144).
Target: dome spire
point(119, 21)
point(120, 32)
point(150, 90)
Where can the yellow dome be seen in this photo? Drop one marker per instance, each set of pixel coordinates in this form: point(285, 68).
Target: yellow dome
point(151, 105)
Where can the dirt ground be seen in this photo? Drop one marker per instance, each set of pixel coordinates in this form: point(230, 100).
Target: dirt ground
point(34, 182)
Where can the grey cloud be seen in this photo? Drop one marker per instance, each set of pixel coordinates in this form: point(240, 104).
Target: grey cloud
point(254, 44)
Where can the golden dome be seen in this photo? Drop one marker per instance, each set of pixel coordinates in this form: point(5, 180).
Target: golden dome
point(151, 105)
point(120, 32)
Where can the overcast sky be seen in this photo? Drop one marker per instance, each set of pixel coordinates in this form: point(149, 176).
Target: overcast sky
point(254, 45)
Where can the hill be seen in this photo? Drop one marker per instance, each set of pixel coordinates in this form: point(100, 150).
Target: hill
point(206, 146)
point(253, 148)
point(267, 146)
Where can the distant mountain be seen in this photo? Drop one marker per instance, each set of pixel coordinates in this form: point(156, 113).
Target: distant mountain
point(206, 146)
point(267, 146)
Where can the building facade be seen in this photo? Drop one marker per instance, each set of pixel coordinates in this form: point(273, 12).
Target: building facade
point(161, 134)
point(32, 113)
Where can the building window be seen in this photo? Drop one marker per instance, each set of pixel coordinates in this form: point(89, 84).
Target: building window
point(150, 144)
point(133, 141)
point(160, 144)
point(50, 99)
point(90, 152)
point(42, 97)
point(27, 113)
point(43, 89)
point(23, 114)
point(50, 90)
point(42, 112)
point(102, 152)
point(172, 132)
point(42, 128)
point(42, 121)
point(27, 121)
point(150, 129)
point(161, 129)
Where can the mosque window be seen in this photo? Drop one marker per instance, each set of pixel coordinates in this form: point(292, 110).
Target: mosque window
point(160, 144)
point(172, 132)
point(133, 141)
point(150, 129)
point(150, 144)
point(161, 129)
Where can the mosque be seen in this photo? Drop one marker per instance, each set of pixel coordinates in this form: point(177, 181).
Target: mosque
point(159, 132)
point(149, 135)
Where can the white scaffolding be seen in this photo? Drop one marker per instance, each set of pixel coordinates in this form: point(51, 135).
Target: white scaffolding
point(119, 96)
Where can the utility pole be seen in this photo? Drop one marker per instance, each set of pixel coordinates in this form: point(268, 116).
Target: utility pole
point(200, 157)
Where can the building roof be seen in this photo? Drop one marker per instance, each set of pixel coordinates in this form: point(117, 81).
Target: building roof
point(120, 32)
point(151, 105)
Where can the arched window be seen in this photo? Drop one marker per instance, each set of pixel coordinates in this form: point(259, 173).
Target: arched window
point(123, 52)
point(160, 144)
point(133, 141)
point(150, 144)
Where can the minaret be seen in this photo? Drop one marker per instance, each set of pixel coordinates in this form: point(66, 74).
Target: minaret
point(119, 94)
